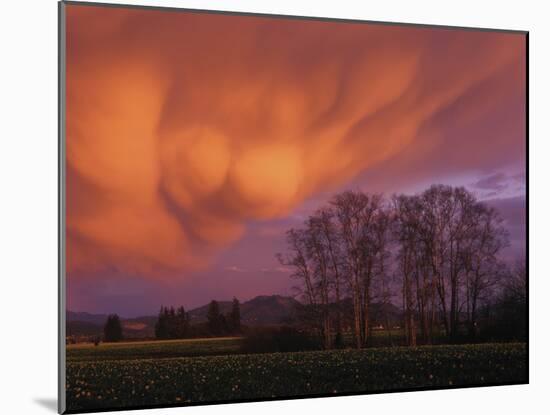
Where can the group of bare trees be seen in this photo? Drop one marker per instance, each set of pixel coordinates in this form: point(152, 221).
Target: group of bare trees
point(448, 245)
point(341, 250)
point(437, 252)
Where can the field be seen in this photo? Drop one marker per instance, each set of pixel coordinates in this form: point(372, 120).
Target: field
point(215, 346)
point(158, 349)
point(100, 378)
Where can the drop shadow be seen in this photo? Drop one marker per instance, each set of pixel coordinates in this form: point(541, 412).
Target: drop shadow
point(48, 403)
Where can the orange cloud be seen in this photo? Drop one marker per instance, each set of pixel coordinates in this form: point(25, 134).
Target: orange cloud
point(181, 127)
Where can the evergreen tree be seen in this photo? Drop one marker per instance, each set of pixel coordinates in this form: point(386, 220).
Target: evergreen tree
point(182, 323)
point(235, 316)
point(214, 318)
point(112, 332)
point(172, 323)
point(161, 326)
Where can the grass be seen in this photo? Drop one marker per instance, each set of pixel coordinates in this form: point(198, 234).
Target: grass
point(154, 349)
point(111, 383)
point(159, 349)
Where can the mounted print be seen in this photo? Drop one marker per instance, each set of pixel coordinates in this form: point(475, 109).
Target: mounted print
point(258, 207)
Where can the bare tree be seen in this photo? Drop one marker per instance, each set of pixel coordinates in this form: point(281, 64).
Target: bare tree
point(442, 244)
point(318, 253)
point(516, 282)
point(328, 231)
point(297, 260)
point(360, 216)
point(406, 232)
point(483, 268)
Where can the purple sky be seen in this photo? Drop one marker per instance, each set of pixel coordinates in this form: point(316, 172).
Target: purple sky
point(250, 264)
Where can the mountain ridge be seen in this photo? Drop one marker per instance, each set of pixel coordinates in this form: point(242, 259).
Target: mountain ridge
point(262, 310)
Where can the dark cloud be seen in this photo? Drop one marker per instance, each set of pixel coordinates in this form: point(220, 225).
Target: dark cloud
point(497, 181)
point(497, 184)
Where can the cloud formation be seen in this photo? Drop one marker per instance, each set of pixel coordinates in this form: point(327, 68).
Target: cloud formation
point(498, 184)
point(183, 127)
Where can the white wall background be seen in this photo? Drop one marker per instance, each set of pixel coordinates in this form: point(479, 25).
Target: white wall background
point(28, 203)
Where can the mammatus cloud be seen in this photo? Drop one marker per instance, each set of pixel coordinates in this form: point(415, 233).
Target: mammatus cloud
point(183, 127)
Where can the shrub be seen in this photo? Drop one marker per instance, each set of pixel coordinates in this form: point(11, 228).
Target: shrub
point(278, 339)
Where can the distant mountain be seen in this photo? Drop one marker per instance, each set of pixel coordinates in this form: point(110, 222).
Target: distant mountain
point(261, 310)
point(382, 312)
point(198, 315)
point(98, 319)
point(264, 310)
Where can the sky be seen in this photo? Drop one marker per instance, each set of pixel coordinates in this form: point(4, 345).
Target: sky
point(195, 140)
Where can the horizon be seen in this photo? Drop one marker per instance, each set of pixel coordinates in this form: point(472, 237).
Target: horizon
point(205, 305)
point(219, 301)
point(229, 153)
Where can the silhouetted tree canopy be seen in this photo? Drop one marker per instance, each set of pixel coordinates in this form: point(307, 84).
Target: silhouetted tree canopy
point(216, 321)
point(234, 318)
point(112, 332)
point(172, 324)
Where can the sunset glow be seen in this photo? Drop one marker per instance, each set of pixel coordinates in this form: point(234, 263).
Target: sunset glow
point(195, 140)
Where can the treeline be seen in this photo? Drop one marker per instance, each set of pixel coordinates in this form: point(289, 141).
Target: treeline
point(175, 324)
point(436, 253)
point(172, 324)
point(112, 330)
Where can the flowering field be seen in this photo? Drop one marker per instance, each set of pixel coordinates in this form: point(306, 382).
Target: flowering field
point(150, 382)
